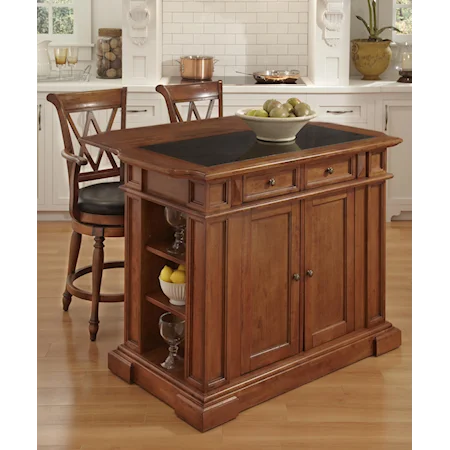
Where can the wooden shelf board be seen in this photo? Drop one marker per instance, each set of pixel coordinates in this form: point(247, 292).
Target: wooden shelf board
point(160, 249)
point(160, 300)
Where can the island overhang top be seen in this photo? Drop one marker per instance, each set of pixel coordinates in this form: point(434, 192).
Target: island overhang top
point(217, 148)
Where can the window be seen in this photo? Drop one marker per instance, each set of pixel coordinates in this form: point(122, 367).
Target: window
point(64, 21)
point(403, 20)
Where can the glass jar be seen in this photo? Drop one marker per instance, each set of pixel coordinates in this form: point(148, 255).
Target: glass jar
point(109, 53)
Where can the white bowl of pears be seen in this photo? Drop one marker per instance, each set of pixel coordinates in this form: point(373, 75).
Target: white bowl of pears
point(276, 121)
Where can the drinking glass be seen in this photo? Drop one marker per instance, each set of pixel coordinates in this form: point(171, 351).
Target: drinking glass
point(60, 58)
point(72, 58)
point(177, 220)
point(171, 328)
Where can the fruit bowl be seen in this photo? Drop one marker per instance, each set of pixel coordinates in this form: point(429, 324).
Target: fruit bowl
point(274, 129)
point(175, 292)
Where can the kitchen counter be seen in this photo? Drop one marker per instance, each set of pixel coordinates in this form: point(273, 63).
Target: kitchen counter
point(356, 85)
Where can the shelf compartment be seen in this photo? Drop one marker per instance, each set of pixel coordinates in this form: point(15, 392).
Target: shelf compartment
point(158, 355)
point(160, 249)
point(158, 299)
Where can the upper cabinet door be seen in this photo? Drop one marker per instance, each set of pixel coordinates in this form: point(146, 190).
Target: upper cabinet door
point(329, 268)
point(270, 314)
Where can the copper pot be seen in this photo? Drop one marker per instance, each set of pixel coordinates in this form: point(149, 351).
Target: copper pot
point(197, 67)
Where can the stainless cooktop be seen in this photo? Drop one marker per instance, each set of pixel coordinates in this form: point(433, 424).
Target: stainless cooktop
point(233, 80)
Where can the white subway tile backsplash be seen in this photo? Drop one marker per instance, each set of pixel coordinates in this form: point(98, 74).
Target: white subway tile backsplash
point(183, 17)
point(192, 28)
point(288, 38)
point(246, 35)
point(235, 49)
point(225, 39)
point(192, 6)
point(256, 6)
point(235, 7)
point(298, 6)
point(235, 28)
point(287, 17)
point(277, 49)
point(246, 39)
point(225, 17)
point(218, 28)
point(256, 28)
point(183, 38)
point(173, 6)
point(278, 7)
point(267, 38)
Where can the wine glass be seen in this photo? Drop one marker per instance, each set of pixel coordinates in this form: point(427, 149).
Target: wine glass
point(72, 58)
point(171, 328)
point(60, 58)
point(177, 220)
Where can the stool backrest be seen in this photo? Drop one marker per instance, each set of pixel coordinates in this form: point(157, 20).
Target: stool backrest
point(191, 93)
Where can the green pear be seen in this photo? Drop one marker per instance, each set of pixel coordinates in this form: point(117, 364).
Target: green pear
point(272, 104)
point(279, 112)
point(266, 104)
point(261, 113)
point(302, 109)
point(293, 101)
point(288, 106)
point(251, 112)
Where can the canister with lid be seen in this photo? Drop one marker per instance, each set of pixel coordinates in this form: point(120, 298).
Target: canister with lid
point(109, 53)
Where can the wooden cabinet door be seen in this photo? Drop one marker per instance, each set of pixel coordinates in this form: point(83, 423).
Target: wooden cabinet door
point(329, 267)
point(270, 315)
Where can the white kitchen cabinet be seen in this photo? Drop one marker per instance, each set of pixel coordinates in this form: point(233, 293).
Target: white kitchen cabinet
point(357, 110)
point(396, 114)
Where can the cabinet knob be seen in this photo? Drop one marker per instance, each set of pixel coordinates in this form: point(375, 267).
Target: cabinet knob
point(296, 277)
point(330, 170)
point(272, 182)
point(310, 273)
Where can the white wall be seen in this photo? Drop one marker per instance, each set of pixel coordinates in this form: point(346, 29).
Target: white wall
point(106, 14)
point(243, 35)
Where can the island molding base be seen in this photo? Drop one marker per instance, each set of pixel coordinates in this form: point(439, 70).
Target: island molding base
point(205, 411)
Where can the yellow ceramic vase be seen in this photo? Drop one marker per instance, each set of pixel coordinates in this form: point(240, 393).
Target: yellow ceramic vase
point(371, 58)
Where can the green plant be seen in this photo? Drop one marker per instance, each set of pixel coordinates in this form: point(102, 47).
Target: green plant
point(372, 26)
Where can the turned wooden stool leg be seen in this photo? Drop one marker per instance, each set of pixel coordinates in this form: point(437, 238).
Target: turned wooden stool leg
point(97, 271)
point(74, 251)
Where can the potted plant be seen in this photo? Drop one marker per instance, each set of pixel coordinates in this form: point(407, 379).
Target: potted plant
point(372, 55)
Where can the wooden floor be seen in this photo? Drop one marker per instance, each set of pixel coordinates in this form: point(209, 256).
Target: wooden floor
point(81, 405)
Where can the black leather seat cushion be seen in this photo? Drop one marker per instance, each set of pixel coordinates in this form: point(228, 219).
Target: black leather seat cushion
point(102, 198)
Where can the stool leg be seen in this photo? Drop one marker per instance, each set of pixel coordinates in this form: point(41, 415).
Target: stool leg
point(97, 272)
point(74, 251)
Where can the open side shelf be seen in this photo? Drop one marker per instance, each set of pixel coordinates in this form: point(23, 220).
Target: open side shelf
point(160, 249)
point(161, 301)
point(158, 355)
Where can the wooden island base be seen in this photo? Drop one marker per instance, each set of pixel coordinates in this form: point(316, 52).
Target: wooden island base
point(284, 262)
point(204, 412)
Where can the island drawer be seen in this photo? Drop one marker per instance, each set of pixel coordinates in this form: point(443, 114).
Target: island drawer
point(332, 171)
point(270, 183)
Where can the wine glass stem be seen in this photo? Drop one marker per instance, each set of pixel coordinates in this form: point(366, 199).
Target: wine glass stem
point(173, 350)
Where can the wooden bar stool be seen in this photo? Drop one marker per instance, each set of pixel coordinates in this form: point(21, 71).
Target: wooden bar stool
point(97, 209)
point(191, 93)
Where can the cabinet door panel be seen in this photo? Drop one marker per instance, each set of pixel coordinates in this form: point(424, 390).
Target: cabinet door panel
point(270, 327)
point(329, 254)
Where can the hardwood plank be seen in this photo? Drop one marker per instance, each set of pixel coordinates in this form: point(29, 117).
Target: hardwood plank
point(364, 406)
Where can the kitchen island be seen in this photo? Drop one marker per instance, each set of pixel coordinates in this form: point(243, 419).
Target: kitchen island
point(285, 259)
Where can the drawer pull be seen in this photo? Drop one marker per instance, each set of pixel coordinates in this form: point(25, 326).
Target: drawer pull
point(133, 111)
point(340, 112)
point(310, 273)
point(296, 277)
point(272, 182)
point(330, 170)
